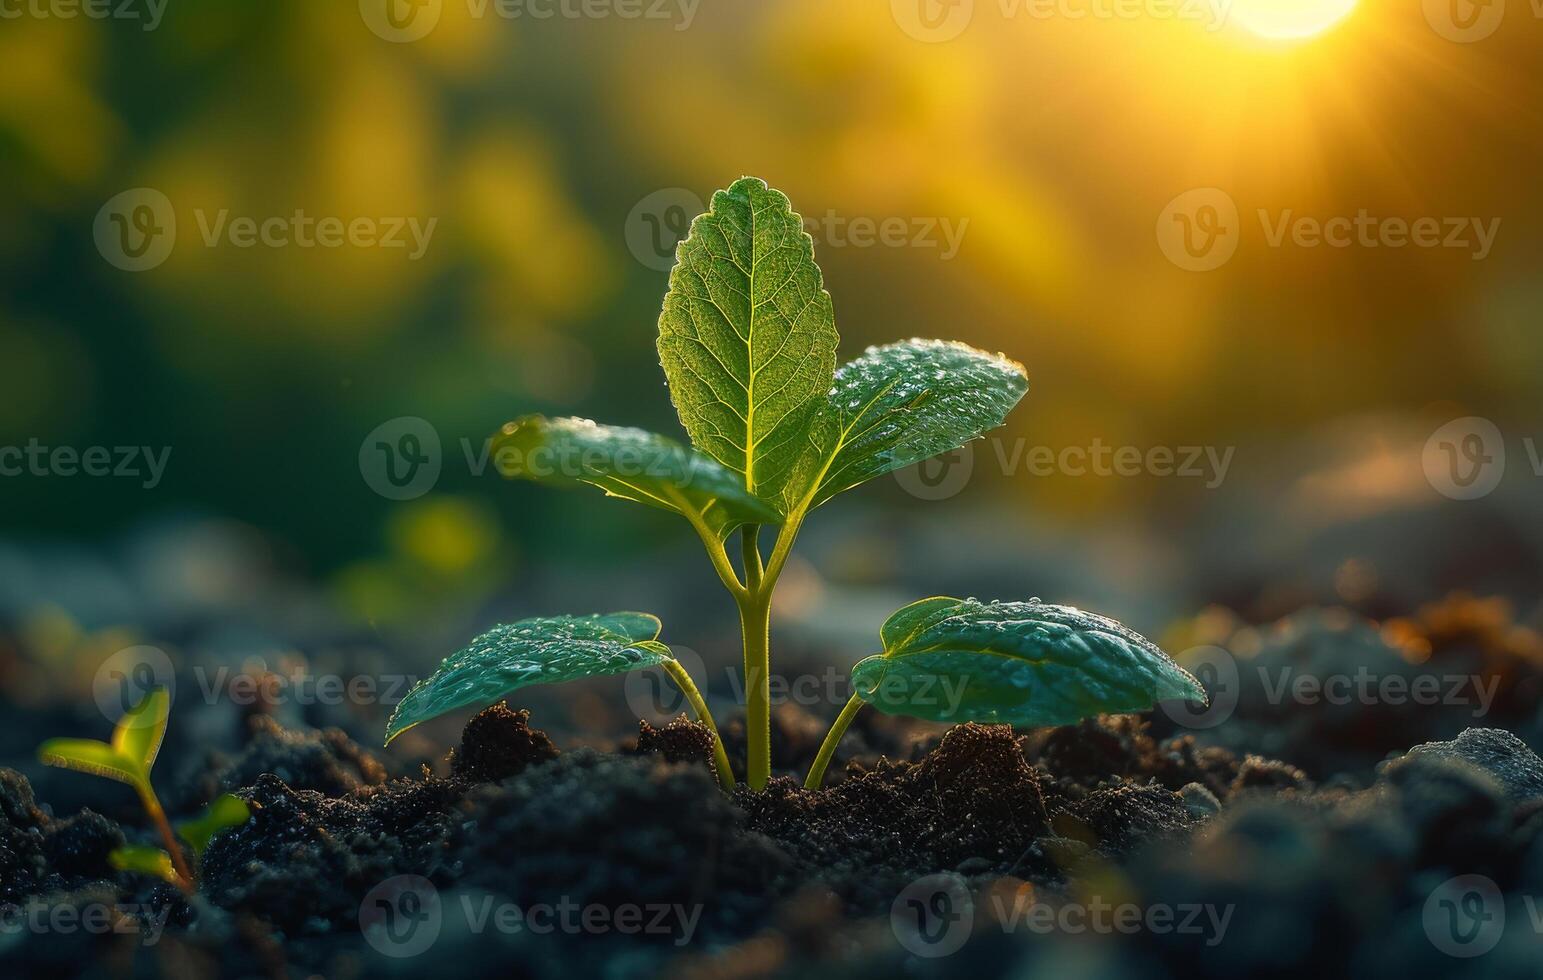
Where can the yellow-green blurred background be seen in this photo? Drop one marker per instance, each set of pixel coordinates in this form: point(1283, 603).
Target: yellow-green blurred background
point(1054, 142)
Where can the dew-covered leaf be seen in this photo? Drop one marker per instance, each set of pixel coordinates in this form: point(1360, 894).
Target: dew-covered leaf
point(224, 813)
point(544, 650)
point(628, 463)
point(747, 336)
point(1019, 663)
point(905, 402)
point(89, 755)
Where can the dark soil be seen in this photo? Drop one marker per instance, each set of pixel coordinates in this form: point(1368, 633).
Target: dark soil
point(1330, 874)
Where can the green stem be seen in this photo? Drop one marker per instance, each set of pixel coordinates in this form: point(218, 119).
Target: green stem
point(832, 739)
point(755, 626)
point(689, 689)
point(716, 553)
point(750, 545)
point(173, 848)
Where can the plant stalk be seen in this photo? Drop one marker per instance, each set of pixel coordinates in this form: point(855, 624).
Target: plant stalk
point(832, 739)
point(173, 848)
point(750, 543)
point(755, 626)
point(699, 705)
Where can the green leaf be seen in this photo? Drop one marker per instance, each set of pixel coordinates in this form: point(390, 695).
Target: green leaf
point(628, 463)
point(1018, 663)
point(97, 758)
point(141, 729)
point(547, 650)
point(905, 402)
point(145, 860)
point(226, 812)
point(747, 336)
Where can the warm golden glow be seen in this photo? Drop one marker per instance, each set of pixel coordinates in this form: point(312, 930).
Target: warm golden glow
point(1286, 19)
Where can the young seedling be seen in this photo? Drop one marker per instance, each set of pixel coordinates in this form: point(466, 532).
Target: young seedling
point(136, 741)
point(747, 340)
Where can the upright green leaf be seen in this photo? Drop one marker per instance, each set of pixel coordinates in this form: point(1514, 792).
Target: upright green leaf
point(747, 336)
point(905, 402)
point(145, 860)
point(627, 463)
point(141, 729)
point(90, 756)
point(1020, 663)
point(545, 650)
point(226, 812)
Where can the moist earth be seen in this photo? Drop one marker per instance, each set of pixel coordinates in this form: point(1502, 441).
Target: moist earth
point(1264, 867)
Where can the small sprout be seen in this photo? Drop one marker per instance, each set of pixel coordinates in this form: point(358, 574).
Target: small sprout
point(549, 650)
point(747, 339)
point(128, 758)
point(226, 813)
point(1019, 663)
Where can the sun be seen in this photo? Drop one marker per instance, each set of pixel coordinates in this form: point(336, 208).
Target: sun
point(1290, 19)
